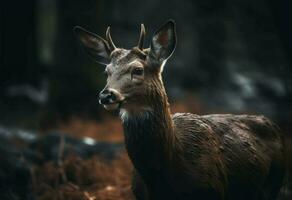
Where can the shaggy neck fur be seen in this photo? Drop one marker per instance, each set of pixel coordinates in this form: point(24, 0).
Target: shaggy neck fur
point(149, 133)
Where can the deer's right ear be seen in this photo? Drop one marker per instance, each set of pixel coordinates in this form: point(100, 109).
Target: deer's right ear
point(94, 45)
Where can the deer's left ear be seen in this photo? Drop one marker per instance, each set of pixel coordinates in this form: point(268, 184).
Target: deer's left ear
point(95, 46)
point(163, 43)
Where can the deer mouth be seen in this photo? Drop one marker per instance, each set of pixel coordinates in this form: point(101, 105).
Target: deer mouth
point(111, 100)
point(113, 106)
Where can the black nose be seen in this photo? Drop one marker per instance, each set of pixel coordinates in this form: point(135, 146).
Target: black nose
point(106, 96)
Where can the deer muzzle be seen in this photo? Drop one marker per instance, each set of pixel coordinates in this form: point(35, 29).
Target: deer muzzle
point(110, 98)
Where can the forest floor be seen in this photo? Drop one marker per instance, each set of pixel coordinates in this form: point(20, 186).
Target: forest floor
point(95, 178)
point(84, 179)
point(75, 177)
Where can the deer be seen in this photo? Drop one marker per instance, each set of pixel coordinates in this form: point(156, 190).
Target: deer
point(182, 156)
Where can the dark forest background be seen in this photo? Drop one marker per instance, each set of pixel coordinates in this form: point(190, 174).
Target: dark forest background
point(232, 56)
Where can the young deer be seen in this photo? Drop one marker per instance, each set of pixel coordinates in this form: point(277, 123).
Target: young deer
point(183, 156)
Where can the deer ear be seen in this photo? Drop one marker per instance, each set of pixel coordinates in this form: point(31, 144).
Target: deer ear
point(163, 42)
point(94, 45)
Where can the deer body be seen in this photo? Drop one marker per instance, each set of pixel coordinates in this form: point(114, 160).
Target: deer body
point(183, 156)
point(187, 156)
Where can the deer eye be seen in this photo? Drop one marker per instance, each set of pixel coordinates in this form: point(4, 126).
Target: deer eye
point(138, 71)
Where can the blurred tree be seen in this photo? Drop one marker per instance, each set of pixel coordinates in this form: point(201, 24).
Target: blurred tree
point(18, 43)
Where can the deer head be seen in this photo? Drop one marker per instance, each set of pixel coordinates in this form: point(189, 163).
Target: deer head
point(133, 75)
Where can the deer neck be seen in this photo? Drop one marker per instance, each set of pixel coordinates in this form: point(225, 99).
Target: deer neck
point(149, 133)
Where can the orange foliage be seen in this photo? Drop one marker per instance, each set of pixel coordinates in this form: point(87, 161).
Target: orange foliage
point(109, 130)
point(91, 179)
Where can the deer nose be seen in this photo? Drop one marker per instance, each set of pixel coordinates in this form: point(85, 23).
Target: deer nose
point(106, 97)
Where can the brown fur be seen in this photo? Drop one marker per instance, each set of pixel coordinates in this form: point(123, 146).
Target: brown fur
point(187, 156)
point(184, 156)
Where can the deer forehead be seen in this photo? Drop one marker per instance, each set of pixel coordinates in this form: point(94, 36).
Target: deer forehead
point(119, 53)
point(124, 57)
